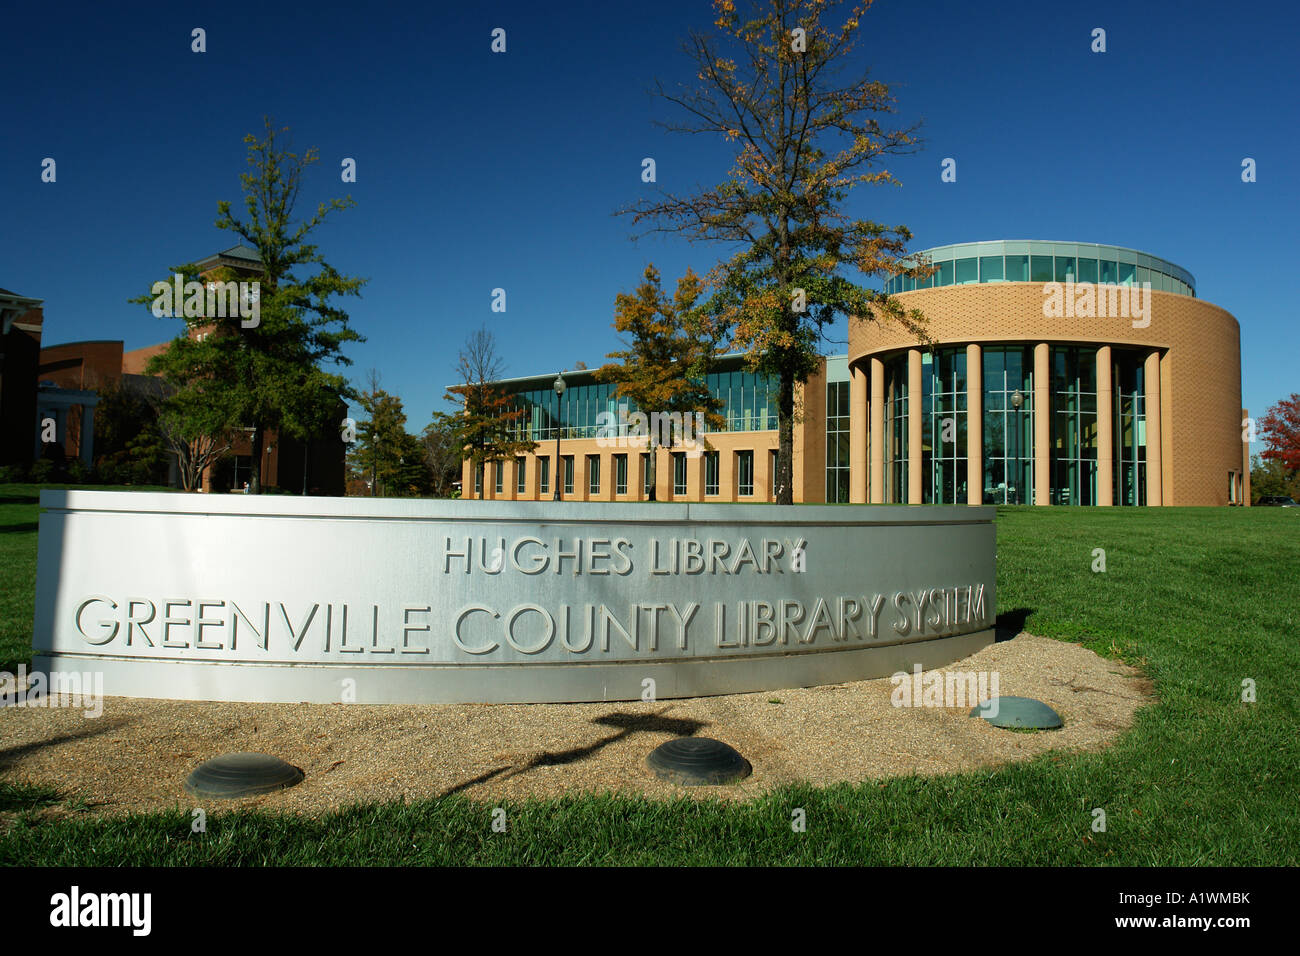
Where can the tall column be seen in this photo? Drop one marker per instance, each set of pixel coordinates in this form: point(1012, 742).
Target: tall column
point(915, 406)
point(1042, 424)
point(858, 436)
point(974, 425)
point(876, 436)
point(1245, 462)
point(636, 474)
point(1155, 470)
point(580, 477)
point(663, 463)
point(1105, 429)
point(764, 480)
point(694, 477)
point(727, 473)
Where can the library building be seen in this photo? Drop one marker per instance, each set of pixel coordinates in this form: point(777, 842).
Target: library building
point(1058, 373)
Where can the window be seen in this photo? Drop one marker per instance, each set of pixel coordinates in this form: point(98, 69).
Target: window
point(990, 268)
point(1008, 425)
point(593, 474)
point(895, 437)
point(1129, 382)
point(500, 483)
point(943, 434)
point(1065, 269)
point(944, 275)
point(1109, 272)
point(567, 461)
point(478, 481)
point(745, 472)
point(620, 474)
point(521, 476)
point(1040, 269)
point(1087, 270)
point(967, 270)
point(544, 476)
point(837, 441)
point(647, 476)
point(1074, 426)
point(1127, 273)
point(1017, 268)
point(679, 473)
point(712, 465)
point(771, 475)
point(242, 472)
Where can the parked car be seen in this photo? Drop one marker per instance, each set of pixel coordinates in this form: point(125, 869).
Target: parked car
point(1279, 501)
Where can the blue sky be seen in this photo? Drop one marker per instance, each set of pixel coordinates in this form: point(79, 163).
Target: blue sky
point(478, 170)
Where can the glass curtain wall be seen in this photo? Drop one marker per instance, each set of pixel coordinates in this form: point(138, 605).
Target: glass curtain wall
point(896, 429)
point(1008, 425)
point(943, 441)
point(1129, 378)
point(1074, 426)
point(749, 405)
point(837, 442)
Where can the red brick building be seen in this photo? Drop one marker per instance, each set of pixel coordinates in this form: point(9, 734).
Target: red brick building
point(59, 383)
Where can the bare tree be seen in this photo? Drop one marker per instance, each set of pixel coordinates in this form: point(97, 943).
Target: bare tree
point(486, 422)
point(193, 453)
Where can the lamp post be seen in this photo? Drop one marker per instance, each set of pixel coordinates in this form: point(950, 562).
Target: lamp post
point(559, 392)
point(1017, 400)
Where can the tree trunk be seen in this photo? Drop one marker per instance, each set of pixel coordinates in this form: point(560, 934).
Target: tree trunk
point(785, 441)
point(255, 472)
point(653, 469)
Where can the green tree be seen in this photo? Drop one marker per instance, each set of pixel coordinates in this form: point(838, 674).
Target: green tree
point(442, 454)
point(487, 425)
point(389, 458)
point(129, 446)
point(665, 366)
point(269, 374)
point(768, 83)
point(1271, 476)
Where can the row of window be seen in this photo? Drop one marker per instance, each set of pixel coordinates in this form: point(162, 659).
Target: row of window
point(1008, 432)
point(748, 404)
point(744, 464)
point(1032, 268)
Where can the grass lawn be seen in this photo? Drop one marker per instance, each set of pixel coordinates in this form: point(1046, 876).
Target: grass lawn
point(1201, 599)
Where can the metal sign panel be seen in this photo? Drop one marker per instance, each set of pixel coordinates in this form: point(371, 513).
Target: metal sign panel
point(231, 597)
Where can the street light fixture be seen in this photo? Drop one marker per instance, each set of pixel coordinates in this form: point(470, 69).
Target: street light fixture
point(1017, 400)
point(559, 391)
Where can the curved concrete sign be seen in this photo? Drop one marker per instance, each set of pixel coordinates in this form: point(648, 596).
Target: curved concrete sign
point(230, 597)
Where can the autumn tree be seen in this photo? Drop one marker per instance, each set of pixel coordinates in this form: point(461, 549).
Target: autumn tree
point(665, 366)
point(1280, 431)
point(487, 424)
point(769, 84)
point(269, 373)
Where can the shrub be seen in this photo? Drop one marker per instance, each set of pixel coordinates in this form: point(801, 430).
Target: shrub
point(79, 473)
point(42, 471)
